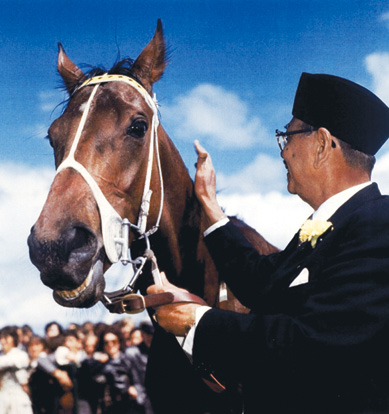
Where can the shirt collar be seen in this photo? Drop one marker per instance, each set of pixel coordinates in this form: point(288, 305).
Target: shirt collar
point(328, 208)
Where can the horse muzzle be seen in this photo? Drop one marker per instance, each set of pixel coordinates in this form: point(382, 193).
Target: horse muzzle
point(71, 265)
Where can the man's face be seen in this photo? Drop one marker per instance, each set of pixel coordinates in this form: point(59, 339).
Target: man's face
point(297, 156)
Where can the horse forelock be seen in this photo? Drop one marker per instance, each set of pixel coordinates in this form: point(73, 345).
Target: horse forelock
point(120, 67)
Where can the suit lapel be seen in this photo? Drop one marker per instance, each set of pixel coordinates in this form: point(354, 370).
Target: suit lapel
point(294, 257)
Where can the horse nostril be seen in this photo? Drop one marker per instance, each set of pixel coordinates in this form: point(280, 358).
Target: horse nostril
point(78, 237)
point(64, 262)
point(78, 242)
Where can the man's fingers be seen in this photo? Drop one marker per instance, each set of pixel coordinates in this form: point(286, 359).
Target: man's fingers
point(155, 289)
point(201, 151)
point(165, 287)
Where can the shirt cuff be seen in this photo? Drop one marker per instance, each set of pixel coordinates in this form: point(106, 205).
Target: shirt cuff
point(216, 225)
point(187, 345)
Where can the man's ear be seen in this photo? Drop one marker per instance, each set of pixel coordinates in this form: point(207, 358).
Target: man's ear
point(324, 146)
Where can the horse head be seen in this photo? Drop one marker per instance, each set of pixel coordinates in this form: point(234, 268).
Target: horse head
point(113, 158)
point(104, 145)
point(121, 182)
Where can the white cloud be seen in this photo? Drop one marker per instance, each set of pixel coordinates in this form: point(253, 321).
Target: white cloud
point(257, 194)
point(377, 65)
point(276, 216)
point(381, 172)
point(49, 100)
point(385, 18)
point(22, 194)
point(211, 112)
point(265, 174)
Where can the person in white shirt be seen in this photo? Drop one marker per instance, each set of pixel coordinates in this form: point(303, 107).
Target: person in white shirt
point(13, 374)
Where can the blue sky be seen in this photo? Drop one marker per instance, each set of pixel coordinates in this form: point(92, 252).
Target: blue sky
point(254, 49)
point(233, 71)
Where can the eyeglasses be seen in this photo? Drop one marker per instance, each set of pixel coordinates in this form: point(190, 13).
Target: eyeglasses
point(282, 136)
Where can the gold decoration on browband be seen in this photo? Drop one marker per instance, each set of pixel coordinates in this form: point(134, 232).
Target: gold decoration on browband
point(122, 78)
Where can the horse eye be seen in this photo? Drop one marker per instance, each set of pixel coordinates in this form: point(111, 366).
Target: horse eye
point(137, 129)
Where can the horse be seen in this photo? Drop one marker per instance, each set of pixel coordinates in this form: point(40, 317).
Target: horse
point(114, 160)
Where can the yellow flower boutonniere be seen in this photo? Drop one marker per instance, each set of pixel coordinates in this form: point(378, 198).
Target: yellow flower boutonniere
point(311, 230)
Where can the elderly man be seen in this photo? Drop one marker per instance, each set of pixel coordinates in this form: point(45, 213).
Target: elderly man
point(317, 337)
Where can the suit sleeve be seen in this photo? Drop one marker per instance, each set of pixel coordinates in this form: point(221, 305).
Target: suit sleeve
point(245, 270)
point(331, 320)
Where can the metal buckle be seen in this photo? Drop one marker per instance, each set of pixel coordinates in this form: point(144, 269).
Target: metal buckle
point(135, 311)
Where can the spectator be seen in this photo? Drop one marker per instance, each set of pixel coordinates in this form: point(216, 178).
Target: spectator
point(90, 343)
point(122, 393)
point(126, 326)
point(25, 334)
point(13, 374)
point(135, 337)
point(98, 329)
point(53, 335)
point(62, 365)
point(90, 378)
point(36, 348)
point(138, 356)
point(73, 326)
point(87, 328)
point(53, 329)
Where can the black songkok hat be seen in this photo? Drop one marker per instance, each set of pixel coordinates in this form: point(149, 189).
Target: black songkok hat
point(349, 111)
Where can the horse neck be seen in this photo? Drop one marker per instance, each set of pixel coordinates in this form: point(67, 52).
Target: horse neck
point(179, 245)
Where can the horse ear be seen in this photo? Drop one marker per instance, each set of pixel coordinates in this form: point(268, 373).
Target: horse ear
point(70, 73)
point(151, 63)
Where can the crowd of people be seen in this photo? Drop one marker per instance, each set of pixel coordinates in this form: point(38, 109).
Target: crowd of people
point(83, 369)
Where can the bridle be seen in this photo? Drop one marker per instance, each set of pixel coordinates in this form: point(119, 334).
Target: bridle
point(115, 230)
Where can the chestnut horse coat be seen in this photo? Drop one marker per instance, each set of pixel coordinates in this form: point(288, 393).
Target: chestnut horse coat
point(319, 346)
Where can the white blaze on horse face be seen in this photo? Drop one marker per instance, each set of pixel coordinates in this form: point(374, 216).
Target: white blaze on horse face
point(83, 106)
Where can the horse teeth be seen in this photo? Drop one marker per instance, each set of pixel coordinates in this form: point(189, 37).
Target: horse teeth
point(72, 294)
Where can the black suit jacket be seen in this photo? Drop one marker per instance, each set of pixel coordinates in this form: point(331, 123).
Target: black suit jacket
point(318, 347)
